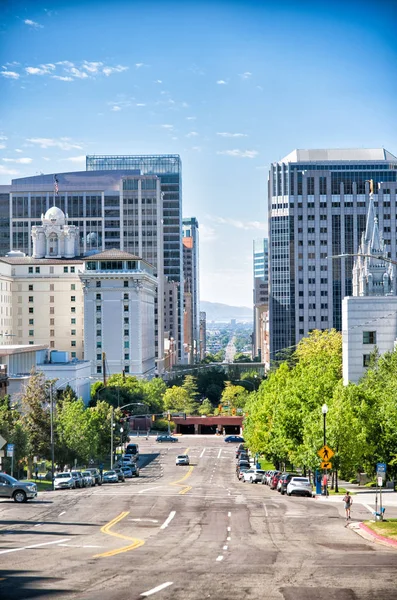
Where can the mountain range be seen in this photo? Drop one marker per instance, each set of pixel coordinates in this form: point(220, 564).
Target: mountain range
point(224, 312)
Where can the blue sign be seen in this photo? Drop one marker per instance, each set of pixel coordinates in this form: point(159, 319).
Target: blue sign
point(10, 447)
point(381, 468)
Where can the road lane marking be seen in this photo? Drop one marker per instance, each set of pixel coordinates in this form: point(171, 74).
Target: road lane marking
point(38, 524)
point(225, 547)
point(157, 589)
point(149, 489)
point(219, 558)
point(185, 488)
point(145, 520)
point(220, 452)
point(266, 513)
point(228, 538)
point(229, 528)
point(168, 519)
point(229, 514)
point(33, 546)
point(367, 506)
point(136, 543)
point(202, 453)
point(62, 513)
point(78, 546)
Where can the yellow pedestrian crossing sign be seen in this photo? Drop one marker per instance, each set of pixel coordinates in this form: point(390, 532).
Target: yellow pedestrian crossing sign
point(326, 465)
point(326, 453)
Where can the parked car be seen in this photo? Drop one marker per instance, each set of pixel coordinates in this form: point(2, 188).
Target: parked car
point(243, 456)
point(18, 490)
point(264, 478)
point(126, 460)
point(64, 481)
point(233, 439)
point(96, 475)
point(300, 486)
point(240, 472)
point(182, 459)
point(274, 480)
point(119, 474)
point(283, 483)
point(270, 475)
point(88, 478)
point(133, 451)
point(242, 463)
point(253, 475)
point(127, 472)
point(135, 469)
point(78, 479)
point(110, 477)
point(166, 438)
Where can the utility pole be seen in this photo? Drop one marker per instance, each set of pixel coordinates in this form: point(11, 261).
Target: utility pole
point(52, 435)
point(111, 437)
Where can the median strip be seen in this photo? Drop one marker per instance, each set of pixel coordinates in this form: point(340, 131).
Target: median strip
point(136, 543)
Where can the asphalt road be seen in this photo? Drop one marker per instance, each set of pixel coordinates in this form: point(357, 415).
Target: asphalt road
point(188, 533)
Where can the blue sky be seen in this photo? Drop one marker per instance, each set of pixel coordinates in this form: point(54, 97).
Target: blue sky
point(230, 86)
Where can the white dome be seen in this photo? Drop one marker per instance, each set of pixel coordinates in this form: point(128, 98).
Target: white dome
point(55, 215)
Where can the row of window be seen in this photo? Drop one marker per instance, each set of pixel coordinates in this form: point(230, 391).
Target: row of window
point(65, 269)
point(52, 309)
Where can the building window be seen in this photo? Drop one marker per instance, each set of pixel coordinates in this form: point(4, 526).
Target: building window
point(73, 343)
point(126, 369)
point(72, 298)
point(52, 310)
point(30, 269)
point(98, 284)
point(73, 354)
point(72, 286)
point(51, 287)
point(73, 309)
point(73, 332)
point(31, 343)
point(126, 297)
point(37, 269)
point(52, 344)
point(52, 333)
point(99, 344)
point(99, 356)
point(98, 297)
point(72, 269)
point(369, 337)
point(51, 270)
point(99, 332)
point(125, 283)
point(126, 356)
point(52, 321)
point(126, 344)
point(30, 287)
point(31, 310)
point(98, 308)
point(98, 321)
point(30, 298)
point(65, 269)
point(99, 369)
point(125, 307)
point(51, 299)
point(366, 359)
point(73, 321)
point(126, 320)
point(31, 332)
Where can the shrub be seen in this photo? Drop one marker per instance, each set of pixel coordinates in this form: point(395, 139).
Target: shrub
point(162, 425)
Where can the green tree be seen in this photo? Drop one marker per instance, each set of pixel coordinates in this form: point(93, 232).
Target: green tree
point(190, 386)
point(176, 399)
point(235, 396)
point(206, 408)
point(76, 432)
point(36, 417)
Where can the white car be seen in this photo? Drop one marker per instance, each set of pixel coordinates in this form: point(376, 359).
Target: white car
point(182, 459)
point(253, 475)
point(64, 481)
point(300, 486)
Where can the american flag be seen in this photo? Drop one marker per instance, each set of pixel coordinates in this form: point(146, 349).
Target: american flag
point(56, 189)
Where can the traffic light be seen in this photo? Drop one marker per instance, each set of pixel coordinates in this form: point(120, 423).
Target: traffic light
point(233, 411)
point(169, 416)
point(153, 418)
point(220, 407)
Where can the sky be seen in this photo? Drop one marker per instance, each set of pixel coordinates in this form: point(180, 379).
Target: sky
point(230, 86)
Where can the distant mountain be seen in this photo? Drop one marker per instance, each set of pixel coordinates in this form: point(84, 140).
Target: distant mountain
point(224, 312)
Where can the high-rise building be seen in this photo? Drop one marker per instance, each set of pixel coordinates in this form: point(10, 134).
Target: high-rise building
point(168, 168)
point(318, 201)
point(190, 243)
point(261, 297)
point(203, 335)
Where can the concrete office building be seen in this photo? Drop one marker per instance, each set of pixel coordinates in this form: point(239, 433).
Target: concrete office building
point(105, 210)
point(190, 242)
point(318, 202)
point(261, 297)
point(203, 335)
point(369, 316)
point(168, 168)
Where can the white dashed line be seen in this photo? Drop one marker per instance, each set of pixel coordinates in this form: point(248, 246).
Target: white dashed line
point(202, 453)
point(145, 520)
point(38, 524)
point(225, 547)
point(229, 528)
point(219, 558)
point(264, 506)
point(62, 513)
point(168, 519)
point(228, 538)
point(229, 514)
point(220, 452)
point(33, 546)
point(157, 589)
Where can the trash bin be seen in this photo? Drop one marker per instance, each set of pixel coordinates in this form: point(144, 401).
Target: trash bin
point(391, 485)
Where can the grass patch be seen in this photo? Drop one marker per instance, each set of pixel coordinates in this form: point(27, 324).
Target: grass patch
point(341, 492)
point(266, 465)
point(42, 485)
point(387, 528)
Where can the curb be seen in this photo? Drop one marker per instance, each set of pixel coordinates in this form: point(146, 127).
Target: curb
point(377, 536)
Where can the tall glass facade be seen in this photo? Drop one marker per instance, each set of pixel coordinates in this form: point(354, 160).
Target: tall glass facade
point(168, 168)
point(317, 208)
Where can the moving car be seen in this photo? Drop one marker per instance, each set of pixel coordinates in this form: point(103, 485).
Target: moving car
point(182, 459)
point(110, 477)
point(18, 490)
point(88, 478)
point(133, 451)
point(166, 438)
point(253, 475)
point(119, 474)
point(64, 481)
point(300, 486)
point(233, 439)
point(96, 474)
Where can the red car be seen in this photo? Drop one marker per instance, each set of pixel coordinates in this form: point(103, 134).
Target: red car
point(274, 480)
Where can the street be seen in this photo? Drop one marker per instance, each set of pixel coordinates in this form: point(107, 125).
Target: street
point(189, 532)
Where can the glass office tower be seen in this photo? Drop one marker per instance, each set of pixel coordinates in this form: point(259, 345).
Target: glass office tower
point(317, 206)
point(168, 168)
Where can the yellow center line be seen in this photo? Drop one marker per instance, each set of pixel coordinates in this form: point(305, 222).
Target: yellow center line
point(107, 529)
point(185, 488)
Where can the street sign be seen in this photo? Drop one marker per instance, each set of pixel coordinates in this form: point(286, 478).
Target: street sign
point(10, 450)
point(2, 441)
point(380, 481)
point(381, 470)
point(326, 453)
point(326, 465)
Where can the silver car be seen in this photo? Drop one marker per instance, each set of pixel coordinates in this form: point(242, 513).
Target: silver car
point(300, 486)
point(64, 481)
point(18, 490)
point(182, 459)
point(110, 477)
point(88, 478)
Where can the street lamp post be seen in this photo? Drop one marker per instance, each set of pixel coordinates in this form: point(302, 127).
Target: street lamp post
point(324, 410)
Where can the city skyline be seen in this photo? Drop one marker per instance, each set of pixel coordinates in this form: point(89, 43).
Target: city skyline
point(229, 99)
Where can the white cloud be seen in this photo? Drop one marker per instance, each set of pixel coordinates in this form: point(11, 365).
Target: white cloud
point(245, 75)
point(91, 67)
point(65, 63)
point(78, 73)
point(5, 171)
point(231, 135)
point(10, 74)
point(62, 78)
point(22, 161)
point(63, 143)
point(239, 153)
point(45, 158)
point(192, 134)
point(196, 148)
point(2, 146)
point(18, 150)
point(221, 82)
point(158, 81)
point(110, 70)
point(3, 137)
point(191, 118)
point(140, 104)
point(139, 65)
point(76, 159)
point(167, 126)
point(33, 24)
point(116, 108)
point(207, 234)
point(41, 69)
point(238, 224)
point(259, 87)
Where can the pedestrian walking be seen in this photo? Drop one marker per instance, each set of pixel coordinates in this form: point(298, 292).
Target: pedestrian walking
point(325, 485)
point(348, 500)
